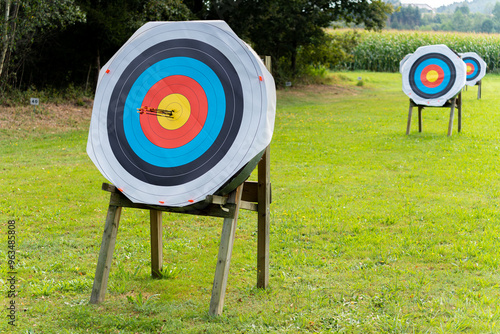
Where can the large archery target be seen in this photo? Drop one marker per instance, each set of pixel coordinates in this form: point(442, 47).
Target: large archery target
point(223, 101)
point(433, 74)
point(476, 67)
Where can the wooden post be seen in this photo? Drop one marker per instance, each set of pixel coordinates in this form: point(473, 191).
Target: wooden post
point(420, 118)
point(452, 112)
point(224, 257)
point(156, 243)
point(459, 108)
point(263, 223)
point(267, 62)
point(106, 253)
point(408, 125)
point(479, 84)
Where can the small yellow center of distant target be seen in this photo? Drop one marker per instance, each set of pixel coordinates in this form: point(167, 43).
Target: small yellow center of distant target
point(469, 68)
point(432, 76)
point(182, 110)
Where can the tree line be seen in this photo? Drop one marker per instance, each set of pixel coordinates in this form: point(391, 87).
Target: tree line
point(461, 19)
point(57, 43)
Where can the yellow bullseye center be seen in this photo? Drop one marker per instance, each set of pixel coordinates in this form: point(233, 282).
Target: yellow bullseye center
point(432, 76)
point(469, 68)
point(182, 110)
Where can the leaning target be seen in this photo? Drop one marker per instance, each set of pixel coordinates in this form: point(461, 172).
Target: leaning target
point(403, 61)
point(476, 67)
point(180, 111)
point(433, 74)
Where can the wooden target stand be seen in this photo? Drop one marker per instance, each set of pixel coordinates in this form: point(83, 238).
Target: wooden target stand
point(251, 195)
point(451, 103)
point(479, 85)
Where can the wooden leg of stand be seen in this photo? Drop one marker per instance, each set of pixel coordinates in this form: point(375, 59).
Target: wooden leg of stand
point(264, 201)
point(106, 254)
point(409, 119)
point(452, 112)
point(224, 257)
point(459, 109)
point(479, 84)
point(156, 243)
point(420, 118)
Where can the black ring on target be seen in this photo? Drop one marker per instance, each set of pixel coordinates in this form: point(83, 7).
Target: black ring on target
point(442, 92)
point(172, 176)
point(477, 67)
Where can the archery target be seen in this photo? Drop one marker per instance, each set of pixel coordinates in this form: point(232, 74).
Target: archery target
point(403, 61)
point(433, 74)
point(476, 67)
point(221, 102)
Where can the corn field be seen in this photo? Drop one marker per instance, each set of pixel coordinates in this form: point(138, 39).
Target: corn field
point(382, 51)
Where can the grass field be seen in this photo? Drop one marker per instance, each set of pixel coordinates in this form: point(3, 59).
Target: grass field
point(372, 231)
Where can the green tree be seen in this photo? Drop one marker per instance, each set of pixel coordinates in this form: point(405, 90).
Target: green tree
point(496, 16)
point(76, 54)
point(165, 10)
point(464, 9)
point(487, 26)
point(110, 23)
point(460, 21)
point(71, 39)
point(496, 11)
point(406, 17)
point(279, 28)
point(330, 51)
point(23, 21)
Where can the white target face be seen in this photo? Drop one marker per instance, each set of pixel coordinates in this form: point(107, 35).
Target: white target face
point(433, 74)
point(403, 61)
point(179, 110)
point(476, 67)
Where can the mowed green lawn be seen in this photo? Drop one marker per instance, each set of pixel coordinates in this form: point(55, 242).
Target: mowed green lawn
point(371, 230)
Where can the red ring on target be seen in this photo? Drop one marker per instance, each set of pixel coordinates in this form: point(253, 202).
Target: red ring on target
point(470, 68)
point(193, 92)
point(424, 76)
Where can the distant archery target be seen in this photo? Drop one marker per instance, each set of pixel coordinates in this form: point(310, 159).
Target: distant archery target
point(476, 67)
point(403, 61)
point(220, 101)
point(433, 74)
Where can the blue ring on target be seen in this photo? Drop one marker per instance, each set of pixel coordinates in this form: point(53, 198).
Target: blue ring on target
point(422, 66)
point(228, 78)
point(477, 67)
point(173, 157)
point(432, 59)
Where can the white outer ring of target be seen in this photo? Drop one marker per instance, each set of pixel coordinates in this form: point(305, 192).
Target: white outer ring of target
point(482, 71)
point(460, 68)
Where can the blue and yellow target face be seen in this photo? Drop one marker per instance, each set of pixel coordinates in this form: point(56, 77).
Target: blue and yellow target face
point(473, 68)
point(432, 75)
point(179, 111)
point(476, 67)
point(204, 92)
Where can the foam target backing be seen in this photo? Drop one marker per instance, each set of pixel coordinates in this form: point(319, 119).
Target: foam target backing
point(221, 100)
point(476, 67)
point(403, 61)
point(433, 74)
